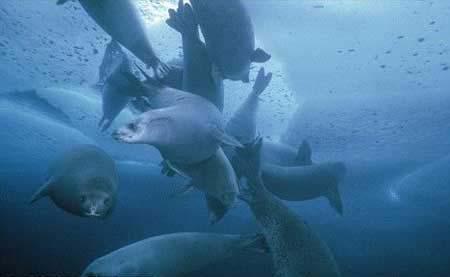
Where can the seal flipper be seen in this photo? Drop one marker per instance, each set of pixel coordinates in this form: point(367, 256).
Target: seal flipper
point(62, 2)
point(216, 209)
point(260, 56)
point(184, 190)
point(246, 78)
point(335, 200)
point(261, 82)
point(304, 154)
point(256, 243)
point(183, 20)
point(224, 138)
point(43, 191)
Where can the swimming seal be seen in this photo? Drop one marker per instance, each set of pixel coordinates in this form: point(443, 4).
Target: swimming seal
point(296, 249)
point(82, 181)
point(229, 37)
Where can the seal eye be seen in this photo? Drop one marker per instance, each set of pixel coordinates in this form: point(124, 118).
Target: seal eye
point(82, 198)
point(106, 201)
point(132, 126)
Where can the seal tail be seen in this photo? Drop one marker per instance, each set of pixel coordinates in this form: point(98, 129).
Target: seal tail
point(255, 243)
point(183, 19)
point(304, 154)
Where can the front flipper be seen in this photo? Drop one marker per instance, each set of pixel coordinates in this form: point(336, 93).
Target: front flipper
point(304, 154)
point(334, 197)
point(43, 191)
point(260, 56)
point(184, 190)
point(216, 209)
point(224, 138)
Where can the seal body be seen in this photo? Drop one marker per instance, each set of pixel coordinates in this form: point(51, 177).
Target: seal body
point(305, 182)
point(171, 255)
point(83, 181)
point(198, 75)
point(296, 249)
point(217, 179)
point(229, 37)
point(184, 127)
point(110, 15)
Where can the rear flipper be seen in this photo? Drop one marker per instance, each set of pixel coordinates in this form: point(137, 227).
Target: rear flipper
point(260, 56)
point(62, 2)
point(183, 20)
point(216, 209)
point(261, 82)
point(304, 154)
point(335, 199)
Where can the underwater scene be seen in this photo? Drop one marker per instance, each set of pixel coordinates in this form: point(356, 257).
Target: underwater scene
point(242, 138)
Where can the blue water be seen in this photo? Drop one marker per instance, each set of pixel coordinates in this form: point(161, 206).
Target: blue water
point(366, 82)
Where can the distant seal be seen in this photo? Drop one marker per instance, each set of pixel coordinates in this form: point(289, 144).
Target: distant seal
point(296, 249)
point(110, 15)
point(217, 179)
point(172, 254)
point(83, 181)
point(198, 75)
point(229, 37)
point(184, 127)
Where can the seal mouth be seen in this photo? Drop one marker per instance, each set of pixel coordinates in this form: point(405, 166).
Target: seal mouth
point(93, 212)
point(121, 136)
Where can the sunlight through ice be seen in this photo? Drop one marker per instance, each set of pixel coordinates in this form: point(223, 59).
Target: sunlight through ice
point(155, 11)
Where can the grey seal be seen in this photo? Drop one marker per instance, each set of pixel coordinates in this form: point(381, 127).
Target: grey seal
point(184, 127)
point(131, 35)
point(199, 76)
point(172, 254)
point(82, 181)
point(229, 36)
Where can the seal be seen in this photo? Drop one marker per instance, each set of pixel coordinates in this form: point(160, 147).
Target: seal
point(131, 35)
point(298, 183)
point(296, 249)
point(112, 58)
point(82, 181)
point(199, 76)
point(229, 37)
point(172, 254)
point(242, 125)
point(184, 127)
point(216, 178)
point(285, 155)
point(117, 92)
